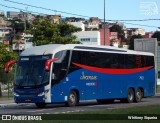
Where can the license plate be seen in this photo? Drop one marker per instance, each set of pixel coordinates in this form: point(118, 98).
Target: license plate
point(28, 100)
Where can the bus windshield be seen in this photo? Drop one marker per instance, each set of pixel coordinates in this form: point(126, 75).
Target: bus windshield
point(30, 71)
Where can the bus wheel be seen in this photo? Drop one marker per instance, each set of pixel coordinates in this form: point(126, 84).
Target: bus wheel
point(72, 99)
point(138, 95)
point(130, 97)
point(40, 105)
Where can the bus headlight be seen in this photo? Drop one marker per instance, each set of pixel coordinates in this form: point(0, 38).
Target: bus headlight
point(15, 94)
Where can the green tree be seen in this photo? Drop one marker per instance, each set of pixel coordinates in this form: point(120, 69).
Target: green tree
point(131, 43)
point(17, 25)
point(5, 56)
point(156, 35)
point(119, 30)
point(46, 33)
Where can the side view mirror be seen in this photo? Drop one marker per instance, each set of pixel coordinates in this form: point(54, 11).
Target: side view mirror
point(8, 64)
point(48, 63)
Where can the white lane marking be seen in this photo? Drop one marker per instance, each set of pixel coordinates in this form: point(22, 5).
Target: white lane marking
point(98, 106)
point(39, 110)
point(36, 110)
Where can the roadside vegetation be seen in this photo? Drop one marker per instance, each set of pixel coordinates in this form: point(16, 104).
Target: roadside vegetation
point(158, 89)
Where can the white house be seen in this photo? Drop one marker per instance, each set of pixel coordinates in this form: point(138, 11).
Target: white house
point(26, 44)
point(88, 37)
point(4, 31)
point(134, 31)
point(78, 24)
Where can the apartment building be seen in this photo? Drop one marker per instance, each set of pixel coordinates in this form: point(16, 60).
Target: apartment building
point(78, 24)
point(4, 31)
point(12, 14)
point(134, 31)
point(92, 23)
point(55, 19)
point(148, 35)
point(94, 37)
point(88, 37)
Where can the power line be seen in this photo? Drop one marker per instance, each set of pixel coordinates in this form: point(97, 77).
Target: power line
point(135, 24)
point(140, 25)
point(89, 17)
point(137, 20)
point(75, 14)
point(46, 8)
point(22, 9)
point(25, 10)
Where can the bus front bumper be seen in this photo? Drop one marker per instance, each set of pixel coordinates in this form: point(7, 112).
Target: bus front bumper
point(29, 99)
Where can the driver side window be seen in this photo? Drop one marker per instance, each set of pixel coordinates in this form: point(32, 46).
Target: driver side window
point(60, 67)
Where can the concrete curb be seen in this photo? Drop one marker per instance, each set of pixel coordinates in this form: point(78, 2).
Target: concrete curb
point(8, 104)
point(12, 104)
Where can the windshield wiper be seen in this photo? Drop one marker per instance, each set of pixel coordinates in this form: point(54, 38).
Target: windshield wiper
point(24, 80)
point(43, 77)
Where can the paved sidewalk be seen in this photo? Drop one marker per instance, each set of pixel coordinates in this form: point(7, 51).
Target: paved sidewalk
point(6, 101)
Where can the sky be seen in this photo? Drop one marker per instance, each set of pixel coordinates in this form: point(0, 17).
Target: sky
point(122, 10)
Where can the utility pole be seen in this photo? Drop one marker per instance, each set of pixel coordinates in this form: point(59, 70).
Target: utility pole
point(104, 23)
point(26, 16)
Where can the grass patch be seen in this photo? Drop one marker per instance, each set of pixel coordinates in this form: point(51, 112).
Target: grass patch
point(158, 89)
point(152, 109)
point(5, 98)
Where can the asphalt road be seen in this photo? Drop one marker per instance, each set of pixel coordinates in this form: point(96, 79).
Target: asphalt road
point(31, 109)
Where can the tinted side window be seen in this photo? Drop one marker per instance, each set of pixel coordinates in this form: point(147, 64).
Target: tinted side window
point(77, 57)
point(138, 61)
point(118, 61)
point(110, 60)
point(149, 61)
point(97, 59)
point(130, 61)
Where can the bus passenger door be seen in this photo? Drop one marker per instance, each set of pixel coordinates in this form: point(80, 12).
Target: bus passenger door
point(58, 77)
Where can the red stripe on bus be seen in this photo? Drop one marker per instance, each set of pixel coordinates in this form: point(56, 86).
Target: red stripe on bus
point(113, 70)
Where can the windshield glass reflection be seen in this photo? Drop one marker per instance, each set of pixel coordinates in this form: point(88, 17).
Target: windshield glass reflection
point(31, 71)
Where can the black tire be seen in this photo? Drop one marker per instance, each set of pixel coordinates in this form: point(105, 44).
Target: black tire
point(40, 105)
point(138, 95)
point(72, 99)
point(100, 101)
point(105, 101)
point(130, 97)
